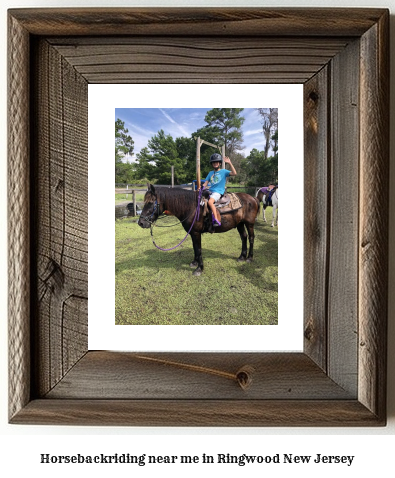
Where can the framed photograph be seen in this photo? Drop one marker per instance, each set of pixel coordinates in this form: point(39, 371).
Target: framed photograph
point(341, 57)
point(229, 292)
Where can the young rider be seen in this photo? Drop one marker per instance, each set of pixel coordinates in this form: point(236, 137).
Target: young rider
point(216, 181)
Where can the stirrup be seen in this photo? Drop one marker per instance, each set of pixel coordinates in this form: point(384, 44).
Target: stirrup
point(216, 223)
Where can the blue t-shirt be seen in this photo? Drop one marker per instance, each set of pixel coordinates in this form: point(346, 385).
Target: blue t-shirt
point(217, 180)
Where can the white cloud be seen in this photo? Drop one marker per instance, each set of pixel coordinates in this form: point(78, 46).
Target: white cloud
point(180, 128)
point(134, 128)
point(167, 116)
point(252, 131)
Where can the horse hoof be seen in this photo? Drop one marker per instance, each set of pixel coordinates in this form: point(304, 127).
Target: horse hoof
point(197, 272)
point(193, 264)
point(241, 259)
point(249, 259)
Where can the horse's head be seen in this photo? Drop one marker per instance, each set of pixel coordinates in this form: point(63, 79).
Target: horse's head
point(150, 211)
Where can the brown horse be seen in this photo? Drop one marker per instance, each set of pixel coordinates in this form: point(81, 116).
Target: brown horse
point(185, 205)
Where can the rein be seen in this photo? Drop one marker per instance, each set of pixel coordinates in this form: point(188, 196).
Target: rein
point(197, 214)
point(171, 225)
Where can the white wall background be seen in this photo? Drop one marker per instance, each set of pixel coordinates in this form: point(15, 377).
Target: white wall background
point(22, 445)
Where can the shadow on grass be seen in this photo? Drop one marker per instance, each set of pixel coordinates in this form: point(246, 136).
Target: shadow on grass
point(153, 259)
point(157, 285)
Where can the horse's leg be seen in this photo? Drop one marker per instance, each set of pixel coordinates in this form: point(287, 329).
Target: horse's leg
point(274, 216)
point(195, 262)
point(251, 237)
point(197, 248)
point(243, 236)
point(264, 215)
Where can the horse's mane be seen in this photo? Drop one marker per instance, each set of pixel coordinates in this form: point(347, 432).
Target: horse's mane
point(175, 199)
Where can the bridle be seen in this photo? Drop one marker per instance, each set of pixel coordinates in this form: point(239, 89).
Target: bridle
point(155, 209)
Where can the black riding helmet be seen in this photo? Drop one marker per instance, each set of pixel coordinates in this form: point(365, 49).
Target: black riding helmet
point(215, 158)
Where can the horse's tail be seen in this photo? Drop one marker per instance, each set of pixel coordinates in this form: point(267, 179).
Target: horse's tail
point(259, 204)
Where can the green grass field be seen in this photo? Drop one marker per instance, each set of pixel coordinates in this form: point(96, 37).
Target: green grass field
point(121, 198)
point(158, 288)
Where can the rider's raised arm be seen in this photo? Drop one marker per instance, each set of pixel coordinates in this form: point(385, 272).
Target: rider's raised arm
point(232, 168)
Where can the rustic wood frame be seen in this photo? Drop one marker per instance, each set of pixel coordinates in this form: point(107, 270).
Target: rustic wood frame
point(342, 58)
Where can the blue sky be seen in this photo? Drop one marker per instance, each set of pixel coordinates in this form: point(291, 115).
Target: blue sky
point(143, 123)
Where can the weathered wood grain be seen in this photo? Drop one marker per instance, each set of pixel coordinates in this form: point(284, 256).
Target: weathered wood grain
point(18, 214)
point(201, 413)
point(316, 213)
point(344, 216)
point(374, 221)
point(190, 59)
point(261, 22)
point(196, 376)
point(61, 209)
point(347, 282)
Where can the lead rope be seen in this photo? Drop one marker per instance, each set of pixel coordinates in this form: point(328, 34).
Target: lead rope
point(197, 214)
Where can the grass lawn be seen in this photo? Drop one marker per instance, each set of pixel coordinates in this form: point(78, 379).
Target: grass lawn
point(156, 287)
point(121, 198)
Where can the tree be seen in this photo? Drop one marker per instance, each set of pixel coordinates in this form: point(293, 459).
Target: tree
point(124, 145)
point(225, 125)
point(186, 151)
point(125, 173)
point(144, 168)
point(237, 161)
point(223, 128)
point(254, 167)
point(274, 160)
point(156, 160)
point(259, 170)
point(269, 118)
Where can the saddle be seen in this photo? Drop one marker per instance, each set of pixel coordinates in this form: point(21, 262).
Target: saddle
point(223, 201)
point(268, 196)
point(226, 203)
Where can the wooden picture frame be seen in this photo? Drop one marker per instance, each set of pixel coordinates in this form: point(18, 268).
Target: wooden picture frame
point(342, 58)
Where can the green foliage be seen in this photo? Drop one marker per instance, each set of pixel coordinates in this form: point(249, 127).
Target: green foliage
point(124, 145)
point(164, 155)
point(223, 128)
point(144, 168)
point(237, 161)
point(225, 124)
point(186, 148)
point(124, 172)
point(274, 159)
point(260, 171)
point(269, 118)
point(155, 161)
